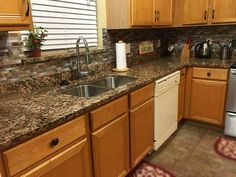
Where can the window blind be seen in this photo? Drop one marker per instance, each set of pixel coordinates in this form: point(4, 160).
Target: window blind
point(65, 21)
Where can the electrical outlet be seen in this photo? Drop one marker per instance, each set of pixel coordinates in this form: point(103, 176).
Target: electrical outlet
point(127, 48)
point(158, 43)
point(209, 40)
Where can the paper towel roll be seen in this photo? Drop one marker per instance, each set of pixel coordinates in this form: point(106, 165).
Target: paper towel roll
point(121, 62)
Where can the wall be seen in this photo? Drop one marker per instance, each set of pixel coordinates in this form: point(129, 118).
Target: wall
point(106, 56)
point(222, 34)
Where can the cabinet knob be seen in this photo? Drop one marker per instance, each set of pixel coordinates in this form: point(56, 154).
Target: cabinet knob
point(209, 74)
point(54, 142)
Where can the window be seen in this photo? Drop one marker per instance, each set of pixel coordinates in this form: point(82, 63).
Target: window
point(65, 21)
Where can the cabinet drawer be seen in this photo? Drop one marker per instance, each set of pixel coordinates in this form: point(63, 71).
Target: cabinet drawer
point(109, 112)
point(141, 95)
point(210, 73)
point(32, 151)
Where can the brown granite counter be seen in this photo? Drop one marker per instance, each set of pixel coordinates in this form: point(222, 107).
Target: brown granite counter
point(23, 117)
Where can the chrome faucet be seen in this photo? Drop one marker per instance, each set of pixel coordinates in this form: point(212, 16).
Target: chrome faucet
point(79, 72)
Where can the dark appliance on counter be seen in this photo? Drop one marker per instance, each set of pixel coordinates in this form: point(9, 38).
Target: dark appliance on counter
point(203, 50)
point(230, 121)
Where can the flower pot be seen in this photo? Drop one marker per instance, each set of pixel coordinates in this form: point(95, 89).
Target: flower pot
point(36, 53)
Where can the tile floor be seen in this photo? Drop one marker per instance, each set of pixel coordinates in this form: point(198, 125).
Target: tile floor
point(190, 153)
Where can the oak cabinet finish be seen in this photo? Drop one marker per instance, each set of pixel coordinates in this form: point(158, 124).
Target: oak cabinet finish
point(111, 149)
point(32, 151)
point(181, 94)
point(141, 131)
point(208, 12)
point(151, 12)
point(141, 95)
point(210, 73)
point(164, 12)
point(142, 12)
point(72, 162)
point(208, 100)
point(15, 15)
point(109, 112)
point(63, 151)
point(223, 11)
point(205, 94)
point(138, 13)
point(195, 12)
point(141, 123)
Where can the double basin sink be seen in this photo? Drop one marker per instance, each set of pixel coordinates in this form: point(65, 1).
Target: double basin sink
point(98, 87)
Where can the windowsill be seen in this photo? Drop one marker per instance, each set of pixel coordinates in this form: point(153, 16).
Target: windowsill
point(8, 61)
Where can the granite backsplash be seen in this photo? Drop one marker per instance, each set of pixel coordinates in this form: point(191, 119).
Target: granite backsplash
point(20, 70)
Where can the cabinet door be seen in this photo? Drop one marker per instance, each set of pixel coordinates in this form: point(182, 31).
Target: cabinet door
point(181, 99)
point(15, 13)
point(195, 12)
point(223, 11)
point(111, 149)
point(72, 162)
point(142, 12)
point(141, 131)
point(163, 13)
point(208, 101)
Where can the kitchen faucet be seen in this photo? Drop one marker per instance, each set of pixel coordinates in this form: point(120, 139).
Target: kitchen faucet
point(79, 72)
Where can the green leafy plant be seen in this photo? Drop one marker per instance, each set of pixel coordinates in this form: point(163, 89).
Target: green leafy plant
point(35, 38)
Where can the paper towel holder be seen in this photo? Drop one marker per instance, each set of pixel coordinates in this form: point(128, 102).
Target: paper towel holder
point(120, 70)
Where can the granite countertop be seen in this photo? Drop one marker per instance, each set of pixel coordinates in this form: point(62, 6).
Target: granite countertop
point(23, 117)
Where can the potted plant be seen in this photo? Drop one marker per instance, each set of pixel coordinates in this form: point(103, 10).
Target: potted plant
point(35, 40)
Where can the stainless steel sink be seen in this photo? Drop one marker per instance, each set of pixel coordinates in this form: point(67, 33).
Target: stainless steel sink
point(85, 91)
point(113, 81)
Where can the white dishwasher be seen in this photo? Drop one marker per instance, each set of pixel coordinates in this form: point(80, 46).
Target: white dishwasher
point(165, 108)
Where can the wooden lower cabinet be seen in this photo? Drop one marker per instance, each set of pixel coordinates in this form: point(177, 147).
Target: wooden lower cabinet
point(111, 149)
point(72, 162)
point(141, 131)
point(181, 99)
point(207, 102)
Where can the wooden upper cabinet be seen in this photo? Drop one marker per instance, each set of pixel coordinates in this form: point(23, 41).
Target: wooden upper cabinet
point(195, 12)
point(223, 11)
point(118, 14)
point(163, 12)
point(142, 12)
point(15, 14)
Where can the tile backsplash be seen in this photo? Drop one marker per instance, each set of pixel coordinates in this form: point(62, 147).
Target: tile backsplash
point(223, 34)
point(176, 36)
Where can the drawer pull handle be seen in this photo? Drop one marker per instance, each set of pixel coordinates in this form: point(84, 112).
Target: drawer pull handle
point(54, 142)
point(209, 74)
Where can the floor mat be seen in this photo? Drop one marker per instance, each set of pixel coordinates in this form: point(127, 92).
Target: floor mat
point(226, 147)
point(146, 169)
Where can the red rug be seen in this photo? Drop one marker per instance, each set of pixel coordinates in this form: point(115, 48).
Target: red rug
point(226, 147)
point(146, 169)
